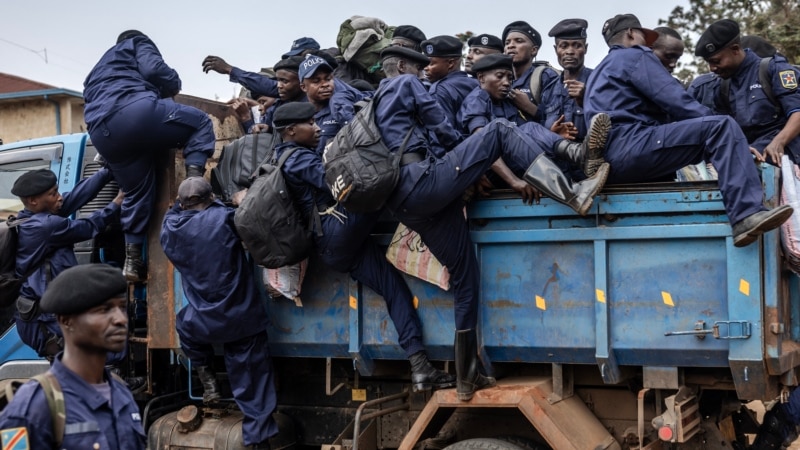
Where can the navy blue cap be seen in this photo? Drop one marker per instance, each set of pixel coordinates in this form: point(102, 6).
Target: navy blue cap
point(569, 29)
point(193, 191)
point(409, 32)
point(442, 46)
point(524, 28)
point(310, 65)
point(405, 53)
point(716, 37)
point(291, 113)
point(301, 45)
point(494, 61)
point(34, 182)
point(486, 41)
point(83, 287)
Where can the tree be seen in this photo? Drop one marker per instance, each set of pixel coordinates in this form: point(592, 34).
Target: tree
point(774, 20)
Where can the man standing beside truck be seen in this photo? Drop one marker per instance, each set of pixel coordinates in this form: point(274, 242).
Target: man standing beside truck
point(131, 117)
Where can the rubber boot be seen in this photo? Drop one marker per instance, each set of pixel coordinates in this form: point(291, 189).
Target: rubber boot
point(135, 270)
point(194, 171)
point(545, 176)
point(209, 380)
point(775, 432)
point(468, 376)
point(425, 377)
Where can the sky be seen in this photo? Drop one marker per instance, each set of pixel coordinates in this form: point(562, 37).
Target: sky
point(57, 42)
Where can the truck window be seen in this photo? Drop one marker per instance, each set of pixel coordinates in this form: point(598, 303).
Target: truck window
point(10, 203)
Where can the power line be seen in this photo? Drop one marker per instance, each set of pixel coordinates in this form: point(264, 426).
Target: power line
point(37, 52)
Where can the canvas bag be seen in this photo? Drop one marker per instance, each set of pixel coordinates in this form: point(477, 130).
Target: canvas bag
point(790, 230)
point(410, 255)
point(239, 163)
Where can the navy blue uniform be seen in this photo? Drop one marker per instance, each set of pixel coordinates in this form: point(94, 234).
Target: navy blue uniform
point(451, 91)
point(346, 246)
point(428, 195)
point(131, 118)
point(704, 89)
point(46, 235)
point(224, 307)
point(523, 83)
point(93, 420)
point(556, 102)
point(631, 85)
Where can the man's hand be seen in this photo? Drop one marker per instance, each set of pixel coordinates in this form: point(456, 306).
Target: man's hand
point(528, 193)
point(575, 89)
point(216, 64)
point(566, 130)
point(774, 152)
point(238, 197)
point(118, 199)
point(522, 102)
point(242, 109)
point(759, 157)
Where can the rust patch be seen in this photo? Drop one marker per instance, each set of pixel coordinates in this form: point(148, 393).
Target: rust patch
point(505, 304)
point(503, 275)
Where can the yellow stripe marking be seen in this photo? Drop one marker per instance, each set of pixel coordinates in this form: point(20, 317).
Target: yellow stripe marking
point(601, 296)
point(744, 287)
point(667, 299)
point(353, 302)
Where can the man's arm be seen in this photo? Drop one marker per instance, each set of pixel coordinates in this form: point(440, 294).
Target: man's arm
point(774, 151)
point(84, 191)
point(257, 84)
point(155, 70)
point(28, 416)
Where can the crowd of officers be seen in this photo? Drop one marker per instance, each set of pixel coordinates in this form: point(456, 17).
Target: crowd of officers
point(507, 120)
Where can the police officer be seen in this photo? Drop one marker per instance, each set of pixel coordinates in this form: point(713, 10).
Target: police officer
point(480, 46)
point(301, 47)
point(668, 48)
point(46, 236)
point(522, 42)
point(432, 180)
point(131, 116)
point(408, 36)
point(771, 130)
point(396, 60)
point(450, 83)
point(344, 243)
point(89, 302)
point(224, 306)
point(639, 95)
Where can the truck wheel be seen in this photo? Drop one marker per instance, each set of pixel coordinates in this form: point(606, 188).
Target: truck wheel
point(523, 443)
point(483, 444)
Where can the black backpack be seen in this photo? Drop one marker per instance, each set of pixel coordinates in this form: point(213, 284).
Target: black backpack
point(239, 162)
point(360, 170)
point(268, 221)
point(10, 284)
point(55, 401)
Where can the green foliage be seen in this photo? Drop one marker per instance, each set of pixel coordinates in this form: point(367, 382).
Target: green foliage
point(777, 21)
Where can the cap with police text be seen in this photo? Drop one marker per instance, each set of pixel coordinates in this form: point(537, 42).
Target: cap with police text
point(486, 41)
point(622, 22)
point(83, 287)
point(493, 61)
point(409, 32)
point(34, 182)
point(193, 191)
point(405, 53)
point(310, 65)
point(569, 29)
point(716, 37)
point(292, 64)
point(523, 27)
point(301, 45)
point(291, 113)
point(442, 46)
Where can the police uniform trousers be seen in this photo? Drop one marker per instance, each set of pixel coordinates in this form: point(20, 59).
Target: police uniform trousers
point(639, 152)
point(129, 140)
point(347, 247)
point(251, 376)
point(428, 200)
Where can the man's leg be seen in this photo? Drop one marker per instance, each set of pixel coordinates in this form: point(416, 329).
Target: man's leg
point(201, 354)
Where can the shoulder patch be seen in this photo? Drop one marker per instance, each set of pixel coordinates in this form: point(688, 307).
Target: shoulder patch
point(14, 439)
point(788, 79)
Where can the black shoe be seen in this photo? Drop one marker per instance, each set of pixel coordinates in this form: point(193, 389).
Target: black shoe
point(135, 269)
point(468, 375)
point(776, 431)
point(425, 377)
point(747, 230)
point(194, 171)
point(209, 381)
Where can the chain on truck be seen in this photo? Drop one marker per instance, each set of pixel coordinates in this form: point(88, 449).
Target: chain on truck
point(638, 326)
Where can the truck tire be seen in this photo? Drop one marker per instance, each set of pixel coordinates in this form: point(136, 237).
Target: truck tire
point(524, 443)
point(483, 444)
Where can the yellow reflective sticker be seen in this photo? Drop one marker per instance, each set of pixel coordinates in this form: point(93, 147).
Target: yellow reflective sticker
point(744, 287)
point(667, 298)
point(353, 302)
point(540, 303)
point(359, 395)
point(601, 296)
point(416, 302)
point(788, 79)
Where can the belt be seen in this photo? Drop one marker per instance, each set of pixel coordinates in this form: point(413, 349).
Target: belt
point(411, 157)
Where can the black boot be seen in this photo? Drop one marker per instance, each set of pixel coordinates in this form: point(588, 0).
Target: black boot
point(194, 171)
point(209, 380)
point(545, 176)
point(425, 377)
point(135, 270)
point(776, 431)
point(587, 155)
point(468, 376)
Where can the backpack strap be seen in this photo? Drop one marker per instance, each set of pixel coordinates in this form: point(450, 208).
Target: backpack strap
point(254, 153)
point(766, 83)
point(55, 401)
point(536, 80)
point(723, 99)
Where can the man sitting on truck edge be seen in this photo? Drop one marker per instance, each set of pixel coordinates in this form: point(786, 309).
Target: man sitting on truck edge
point(98, 411)
point(631, 85)
point(224, 306)
point(131, 118)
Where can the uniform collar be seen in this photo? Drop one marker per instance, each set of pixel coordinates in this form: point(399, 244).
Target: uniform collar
point(81, 388)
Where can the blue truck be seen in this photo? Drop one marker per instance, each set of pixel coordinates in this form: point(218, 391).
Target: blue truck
point(637, 326)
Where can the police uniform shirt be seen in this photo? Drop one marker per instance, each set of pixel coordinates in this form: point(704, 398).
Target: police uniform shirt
point(339, 110)
point(119, 79)
point(523, 84)
point(556, 101)
point(450, 92)
point(631, 85)
point(479, 109)
point(258, 84)
point(48, 235)
point(91, 422)
point(705, 89)
point(270, 112)
point(224, 303)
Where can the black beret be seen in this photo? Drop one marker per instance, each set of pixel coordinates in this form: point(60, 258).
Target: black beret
point(524, 28)
point(193, 191)
point(291, 64)
point(493, 61)
point(569, 29)
point(622, 22)
point(716, 37)
point(409, 32)
point(405, 53)
point(129, 34)
point(486, 41)
point(291, 113)
point(83, 287)
point(442, 46)
point(759, 45)
point(34, 182)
